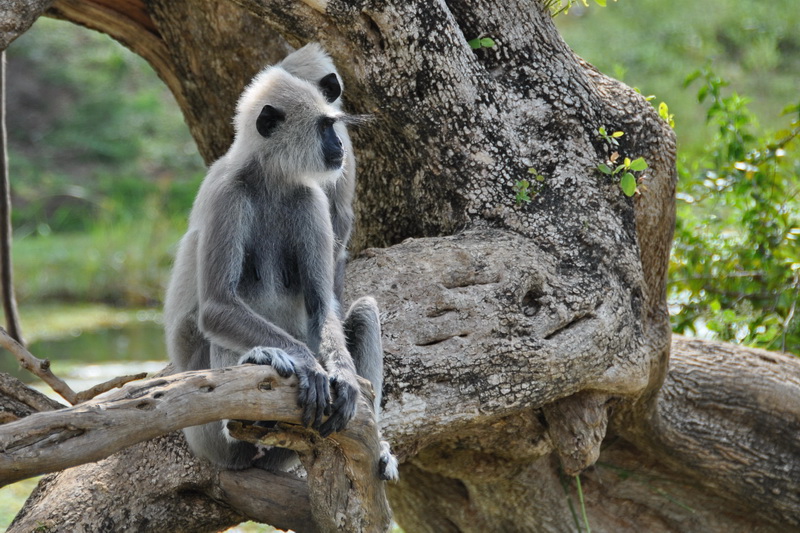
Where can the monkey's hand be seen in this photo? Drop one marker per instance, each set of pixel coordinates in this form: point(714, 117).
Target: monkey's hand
point(314, 396)
point(264, 355)
point(344, 407)
point(315, 393)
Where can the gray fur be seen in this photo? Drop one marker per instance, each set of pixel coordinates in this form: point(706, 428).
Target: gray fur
point(311, 63)
point(255, 269)
point(362, 329)
point(259, 273)
point(362, 326)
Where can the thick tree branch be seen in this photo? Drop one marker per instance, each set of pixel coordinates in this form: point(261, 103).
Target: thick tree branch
point(346, 493)
point(16, 16)
point(54, 440)
point(341, 471)
point(728, 418)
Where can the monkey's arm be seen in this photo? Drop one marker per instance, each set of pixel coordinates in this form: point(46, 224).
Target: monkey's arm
point(342, 373)
point(316, 261)
point(228, 321)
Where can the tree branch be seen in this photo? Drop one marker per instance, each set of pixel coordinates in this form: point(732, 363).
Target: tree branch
point(55, 440)
point(341, 471)
point(16, 16)
point(38, 367)
point(6, 265)
point(345, 494)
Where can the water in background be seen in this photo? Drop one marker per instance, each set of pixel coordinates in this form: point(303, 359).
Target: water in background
point(85, 358)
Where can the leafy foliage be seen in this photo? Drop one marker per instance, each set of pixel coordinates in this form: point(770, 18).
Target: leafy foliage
point(736, 262)
point(653, 44)
point(94, 135)
point(622, 171)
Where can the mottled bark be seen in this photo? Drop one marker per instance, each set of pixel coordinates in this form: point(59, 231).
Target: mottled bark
point(16, 16)
point(522, 340)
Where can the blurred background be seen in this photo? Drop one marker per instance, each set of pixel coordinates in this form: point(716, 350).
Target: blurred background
point(104, 171)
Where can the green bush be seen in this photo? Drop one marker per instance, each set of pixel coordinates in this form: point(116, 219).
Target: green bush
point(736, 260)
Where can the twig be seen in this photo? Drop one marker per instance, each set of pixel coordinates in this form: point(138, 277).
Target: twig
point(39, 367)
point(6, 274)
point(107, 386)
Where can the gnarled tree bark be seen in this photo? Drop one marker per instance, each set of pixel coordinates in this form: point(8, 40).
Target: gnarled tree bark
point(522, 340)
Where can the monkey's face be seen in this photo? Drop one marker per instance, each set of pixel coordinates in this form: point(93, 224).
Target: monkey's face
point(301, 140)
point(288, 124)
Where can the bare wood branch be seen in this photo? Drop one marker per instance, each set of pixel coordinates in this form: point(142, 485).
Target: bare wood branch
point(51, 441)
point(190, 495)
point(342, 470)
point(6, 266)
point(20, 400)
point(111, 384)
point(39, 367)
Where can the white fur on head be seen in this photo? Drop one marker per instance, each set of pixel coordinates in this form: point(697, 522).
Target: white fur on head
point(287, 153)
point(311, 63)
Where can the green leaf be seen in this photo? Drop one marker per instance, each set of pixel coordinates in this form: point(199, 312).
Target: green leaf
point(602, 131)
point(638, 164)
point(618, 134)
point(487, 42)
point(691, 77)
point(702, 93)
point(604, 169)
point(601, 3)
point(789, 109)
point(474, 43)
point(628, 184)
point(663, 111)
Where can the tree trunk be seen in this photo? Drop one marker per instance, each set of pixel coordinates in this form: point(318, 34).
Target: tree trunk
point(523, 340)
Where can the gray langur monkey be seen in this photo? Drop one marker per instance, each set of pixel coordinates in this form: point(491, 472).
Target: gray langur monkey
point(253, 280)
point(362, 323)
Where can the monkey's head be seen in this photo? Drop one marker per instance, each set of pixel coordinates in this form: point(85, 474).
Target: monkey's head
point(290, 127)
point(313, 64)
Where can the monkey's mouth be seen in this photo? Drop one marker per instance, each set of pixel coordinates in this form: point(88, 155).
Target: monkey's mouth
point(334, 161)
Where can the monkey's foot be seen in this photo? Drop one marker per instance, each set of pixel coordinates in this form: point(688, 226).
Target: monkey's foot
point(265, 355)
point(388, 464)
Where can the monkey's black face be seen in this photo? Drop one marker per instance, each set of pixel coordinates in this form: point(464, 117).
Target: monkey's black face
point(332, 150)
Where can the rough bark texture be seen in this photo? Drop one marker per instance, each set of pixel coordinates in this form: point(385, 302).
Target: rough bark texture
point(175, 491)
point(54, 440)
point(517, 336)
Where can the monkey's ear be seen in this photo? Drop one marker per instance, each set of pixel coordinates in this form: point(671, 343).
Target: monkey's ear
point(268, 120)
point(329, 85)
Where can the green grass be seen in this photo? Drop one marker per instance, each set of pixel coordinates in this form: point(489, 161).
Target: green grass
point(125, 264)
point(11, 499)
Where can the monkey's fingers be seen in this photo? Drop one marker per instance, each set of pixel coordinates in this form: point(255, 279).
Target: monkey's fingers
point(307, 399)
point(343, 408)
point(323, 400)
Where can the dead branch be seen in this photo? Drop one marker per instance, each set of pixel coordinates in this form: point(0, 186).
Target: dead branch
point(6, 266)
point(111, 384)
point(342, 470)
point(55, 440)
point(39, 367)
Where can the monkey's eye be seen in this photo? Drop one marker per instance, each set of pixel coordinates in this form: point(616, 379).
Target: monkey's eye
point(326, 123)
